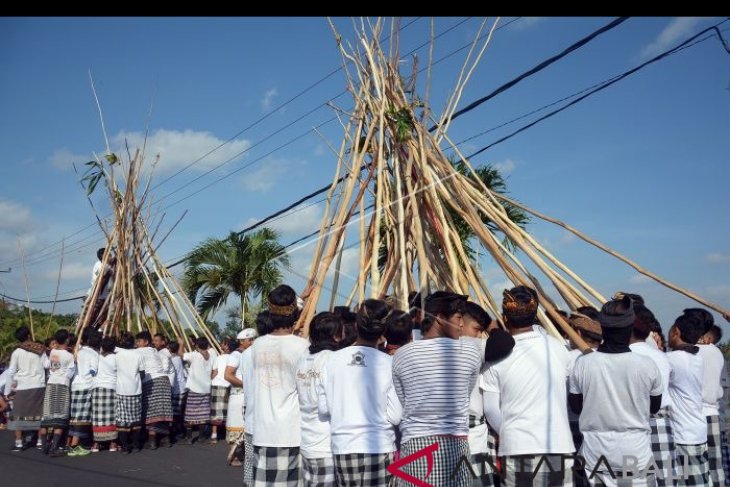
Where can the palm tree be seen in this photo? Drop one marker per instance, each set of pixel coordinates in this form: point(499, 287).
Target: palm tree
point(242, 265)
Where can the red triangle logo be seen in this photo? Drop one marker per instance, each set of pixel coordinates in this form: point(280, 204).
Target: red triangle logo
point(394, 468)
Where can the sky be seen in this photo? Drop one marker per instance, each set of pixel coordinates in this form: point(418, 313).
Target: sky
point(641, 166)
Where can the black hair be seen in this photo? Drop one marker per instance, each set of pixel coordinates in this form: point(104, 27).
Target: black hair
point(589, 311)
point(173, 347)
point(479, 314)
point(93, 340)
point(348, 329)
point(72, 338)
point(108, 344)
point(691, 328)
point(398, 328)
point(202, 343)
point(322, 332)
point(61, 336)
point(144, 335)
point(522, 318)
point(644, 321)
point(282, 296)
point(47, 341)
point(85, 334)
point(703, 316)
point(161, 335)
point(232, 344)
point(100, 253)
point(716, 333)
point(126, 340)
point(22, 333)
point(263, 323)
point(441, 303)
point(371, 319)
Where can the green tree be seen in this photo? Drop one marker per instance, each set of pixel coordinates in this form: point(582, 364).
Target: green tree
point(245, 266)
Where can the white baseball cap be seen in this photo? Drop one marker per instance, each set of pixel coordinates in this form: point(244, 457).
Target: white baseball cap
point(246, 333)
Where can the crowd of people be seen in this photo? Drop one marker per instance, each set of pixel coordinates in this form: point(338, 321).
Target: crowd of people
point(438, 393)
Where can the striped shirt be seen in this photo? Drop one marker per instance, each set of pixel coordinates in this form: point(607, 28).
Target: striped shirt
point(434, 379)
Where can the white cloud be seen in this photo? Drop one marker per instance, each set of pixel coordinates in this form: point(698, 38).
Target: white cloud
point(303, 219)
point(267, 99)
point(505, 167)
point(526, 22)
point(639, 279)
point(720, 291)
point(717, 258)
point(64, 159)
point(264, 178)
point(14, 217)
point(71, 271)
point(677, 29)
point(177, 149)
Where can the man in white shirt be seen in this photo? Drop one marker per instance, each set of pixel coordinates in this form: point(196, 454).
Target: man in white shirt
point(57, 400)
point(101, 277)
point(689, 424)
point(662, 438)
point(26, 369)
point(220, 390)
point(714, 336)
point(618, 390)
point(276, 439)
point(179, 379)
point(128, 399)
point(525, 398)
point(233, 375)
point(87, 363)
point(197, 405)
point(156, 391)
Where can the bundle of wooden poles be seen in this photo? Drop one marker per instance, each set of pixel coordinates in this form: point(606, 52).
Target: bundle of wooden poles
point(401, 190)
point(143, 294)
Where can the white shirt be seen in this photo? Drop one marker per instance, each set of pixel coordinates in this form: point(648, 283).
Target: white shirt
point(27, 370)
point(249, 388)
point(152, 363)
point(220, 366)
point(532, 386)
point(689, 424)
point(358, 396)
point(198, 372)
point(61, 367)
point(87, 363)
point(129, 365)
point(106, 375)
point(180, 375)
point(95, 274)
point(4, 380)
point(616, 389)
point(315, 431)
point(660, 360)
point(478, 439)
point(276, 405)
point(434, 379)
point(712, 379)
point(166, 359)
point(234, 360)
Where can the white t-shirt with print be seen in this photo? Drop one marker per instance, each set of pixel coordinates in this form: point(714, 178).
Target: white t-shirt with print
point(712, 379)
point(106, 375)
point(61, 367)
point(315, 431)
point(276, 403)
point(616, 389)
point(532, 384)
point(689, 424)
point(198, 372)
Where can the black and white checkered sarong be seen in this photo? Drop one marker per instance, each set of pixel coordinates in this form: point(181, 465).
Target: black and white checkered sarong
point(483, 464)
point(218, 404)
point(519, 470)
point(56, 404)
point(447, 466)
point(157, 404)
point(248, 460)
point(276, 466)
point(128, 412)
point(662, 447)
point(102, 415)
point(318, 472)
point(693, 466)
point(363, 469)
point(80, 414)
point(714, 449)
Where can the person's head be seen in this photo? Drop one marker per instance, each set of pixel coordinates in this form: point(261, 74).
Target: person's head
point(61, 337)
point(93, 340)
point(71, 342)
point(687, 330)
point(108, 344)
point(202, 343)
point(126, 340)
point(703, 316)
point(519, 307)
point(443, 314)
point(476, 319)
point(159, 341)
point(398, 328)
point(589, 329)
point(713, 336)
point(644, 322)
point(245, 338)
point(347, 334)
point(283, 309)
point(617, 319)
point(143, 339)
point(173, 347)
point(323, 332)
point(22, 333)
point(371, 320)
point(100, 253)
point(588, 311)
point(231, 345)
point(263, 323)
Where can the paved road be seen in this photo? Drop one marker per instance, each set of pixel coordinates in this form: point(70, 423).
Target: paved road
point(179, 466)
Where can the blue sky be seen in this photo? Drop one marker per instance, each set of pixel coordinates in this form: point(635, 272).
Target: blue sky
point(642, 166)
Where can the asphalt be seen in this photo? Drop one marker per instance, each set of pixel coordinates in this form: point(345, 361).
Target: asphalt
point(178, 466)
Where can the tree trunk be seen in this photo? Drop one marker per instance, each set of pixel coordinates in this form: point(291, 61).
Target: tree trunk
point(243, 310)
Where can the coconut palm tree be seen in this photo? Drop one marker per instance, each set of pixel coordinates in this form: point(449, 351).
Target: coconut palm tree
point(240, 265)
